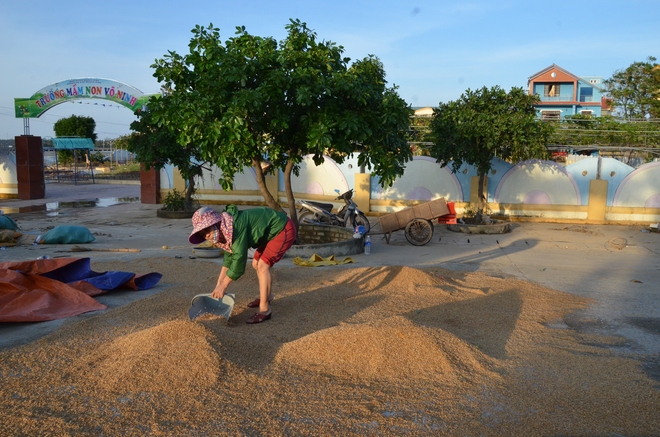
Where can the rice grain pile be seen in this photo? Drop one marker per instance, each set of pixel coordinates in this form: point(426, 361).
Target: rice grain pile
point(349, 351)
point(153, 360)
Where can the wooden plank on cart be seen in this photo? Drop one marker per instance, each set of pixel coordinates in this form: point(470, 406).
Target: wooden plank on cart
point(421, 211)
point(389, 223)
point(430, 210)
point(438, 207)
point(404, 216)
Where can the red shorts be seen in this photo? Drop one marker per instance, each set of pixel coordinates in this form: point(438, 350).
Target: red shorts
point(275, 249)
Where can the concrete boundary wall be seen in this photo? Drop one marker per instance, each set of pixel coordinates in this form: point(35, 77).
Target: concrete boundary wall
point(594, 190)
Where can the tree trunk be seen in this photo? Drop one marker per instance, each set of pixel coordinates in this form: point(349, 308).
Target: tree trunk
point(479, 216)
point(190, 190)
point(289, 193)
point(261, 181)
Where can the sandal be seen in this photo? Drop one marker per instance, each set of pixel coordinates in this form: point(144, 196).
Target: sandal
point(255, 303)
point(259, 317)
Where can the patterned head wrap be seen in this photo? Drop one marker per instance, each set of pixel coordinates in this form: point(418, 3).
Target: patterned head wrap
point(222, 226)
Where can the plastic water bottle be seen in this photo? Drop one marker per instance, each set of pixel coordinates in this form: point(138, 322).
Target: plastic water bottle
point(367, 245)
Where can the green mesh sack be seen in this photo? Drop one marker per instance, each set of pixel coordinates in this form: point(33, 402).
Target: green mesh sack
point(7, 222)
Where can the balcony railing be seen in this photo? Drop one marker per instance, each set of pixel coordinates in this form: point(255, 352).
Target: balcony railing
point(566, 98)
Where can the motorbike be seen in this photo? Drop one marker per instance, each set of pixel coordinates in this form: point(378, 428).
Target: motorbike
point(349, 215)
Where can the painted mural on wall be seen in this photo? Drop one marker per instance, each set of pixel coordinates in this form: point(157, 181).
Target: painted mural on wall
point(538, 183)
point(526, 183)
point(423, 180)
point(533, 182)
point(323, 179)
point(609, 169)
point(8, 175)
point(640, 187)
point(245, 180)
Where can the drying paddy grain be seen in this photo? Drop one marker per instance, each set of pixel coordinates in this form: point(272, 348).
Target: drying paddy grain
point(349, 351)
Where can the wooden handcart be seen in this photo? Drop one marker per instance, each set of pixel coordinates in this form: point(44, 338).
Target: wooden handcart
point(415, 221)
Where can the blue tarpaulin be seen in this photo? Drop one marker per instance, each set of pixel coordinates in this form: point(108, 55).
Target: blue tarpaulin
point(50, 289)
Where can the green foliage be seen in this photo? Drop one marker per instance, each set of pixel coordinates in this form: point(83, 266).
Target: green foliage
point(75, 126)
point(97, 158)
point(156, 145)
point(636, 90)
point(583, 130)
point(251, 96)
point(471, 211)
point(174, 201)
point(486, 124)
point(65, 157)
point(639, 138)
point(127, 168)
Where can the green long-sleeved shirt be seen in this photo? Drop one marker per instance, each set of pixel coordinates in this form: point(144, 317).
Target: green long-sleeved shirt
point(253, 228)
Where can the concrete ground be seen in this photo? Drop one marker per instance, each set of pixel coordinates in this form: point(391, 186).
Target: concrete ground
point(616, 266)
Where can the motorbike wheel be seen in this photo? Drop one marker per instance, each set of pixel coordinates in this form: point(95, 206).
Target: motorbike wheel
point(362, 220)
point(358, 220)
point(307, 217)
point(419, 231)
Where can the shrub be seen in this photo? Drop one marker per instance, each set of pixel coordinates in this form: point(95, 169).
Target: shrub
point(174, 201)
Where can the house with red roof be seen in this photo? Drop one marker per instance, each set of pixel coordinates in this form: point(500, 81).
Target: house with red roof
point(562, 93)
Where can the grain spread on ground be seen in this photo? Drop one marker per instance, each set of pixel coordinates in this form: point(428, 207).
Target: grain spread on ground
point(349, 351)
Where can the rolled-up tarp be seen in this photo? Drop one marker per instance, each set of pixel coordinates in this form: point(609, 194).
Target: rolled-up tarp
point(50, 289)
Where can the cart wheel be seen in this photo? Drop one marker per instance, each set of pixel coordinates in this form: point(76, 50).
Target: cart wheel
point(419, 232)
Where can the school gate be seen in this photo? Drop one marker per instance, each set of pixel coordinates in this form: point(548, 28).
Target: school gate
point(29, 149)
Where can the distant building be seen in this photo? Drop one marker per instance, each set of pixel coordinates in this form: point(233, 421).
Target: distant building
point(562, 93)
point(425, 111)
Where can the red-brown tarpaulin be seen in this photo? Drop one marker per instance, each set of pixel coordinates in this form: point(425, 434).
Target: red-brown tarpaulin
point(50, 289)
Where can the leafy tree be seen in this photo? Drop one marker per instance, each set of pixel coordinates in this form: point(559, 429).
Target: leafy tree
point(253, 97)
point(485, 124)
point(156, 146)
point(74, 126)
point(97, 158)
point(65, 157)
point(636, 89)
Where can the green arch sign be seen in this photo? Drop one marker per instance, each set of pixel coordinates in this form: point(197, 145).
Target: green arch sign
point(76, 89)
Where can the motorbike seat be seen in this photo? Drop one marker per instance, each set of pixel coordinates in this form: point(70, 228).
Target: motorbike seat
point(326, 206)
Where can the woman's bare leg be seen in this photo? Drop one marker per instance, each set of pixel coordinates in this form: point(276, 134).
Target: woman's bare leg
point(265, 282)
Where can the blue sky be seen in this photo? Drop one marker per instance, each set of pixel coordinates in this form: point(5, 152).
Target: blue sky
point(432, 50)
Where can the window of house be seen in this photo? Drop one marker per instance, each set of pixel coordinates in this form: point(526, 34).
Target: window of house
point(551, 90)
point(587, 112)
point(586, 94)
point(550, 115)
